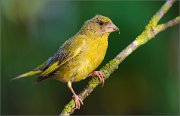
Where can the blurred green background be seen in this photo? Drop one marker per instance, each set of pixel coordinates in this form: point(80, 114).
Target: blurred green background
point(32, 30)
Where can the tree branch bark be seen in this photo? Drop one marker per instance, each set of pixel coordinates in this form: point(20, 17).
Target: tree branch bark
point(151, 30)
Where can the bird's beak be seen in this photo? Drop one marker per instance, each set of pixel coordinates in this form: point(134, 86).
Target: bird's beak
point(111, 28)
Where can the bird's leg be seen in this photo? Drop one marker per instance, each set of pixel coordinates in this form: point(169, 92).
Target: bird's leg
point(76, 98)
point(100, 76)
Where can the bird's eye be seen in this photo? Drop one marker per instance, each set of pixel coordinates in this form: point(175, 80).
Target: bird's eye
point(100, 22)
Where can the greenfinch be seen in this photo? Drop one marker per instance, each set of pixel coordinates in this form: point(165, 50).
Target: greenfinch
point(79, 56)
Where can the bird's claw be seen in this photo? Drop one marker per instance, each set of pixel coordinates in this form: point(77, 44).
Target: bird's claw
point(77, 101)
point(100, 76)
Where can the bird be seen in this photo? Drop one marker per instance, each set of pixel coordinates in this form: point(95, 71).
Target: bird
point(78, 56)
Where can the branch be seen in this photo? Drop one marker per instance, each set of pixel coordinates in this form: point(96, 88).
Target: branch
point(151, 30)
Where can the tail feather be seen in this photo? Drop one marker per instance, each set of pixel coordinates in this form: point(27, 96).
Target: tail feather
point(30, 73)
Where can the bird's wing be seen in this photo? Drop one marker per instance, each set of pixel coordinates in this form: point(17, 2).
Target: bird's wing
point(69, 50)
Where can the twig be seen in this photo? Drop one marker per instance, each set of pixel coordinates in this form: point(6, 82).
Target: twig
point(151, 30)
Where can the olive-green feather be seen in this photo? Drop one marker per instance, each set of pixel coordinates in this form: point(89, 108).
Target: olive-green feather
point(65, 54)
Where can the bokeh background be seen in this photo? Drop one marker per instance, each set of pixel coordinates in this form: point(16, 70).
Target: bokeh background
point(147, 82)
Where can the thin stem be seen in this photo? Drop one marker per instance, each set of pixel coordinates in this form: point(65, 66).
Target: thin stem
point(156, 18)
point(171, 23)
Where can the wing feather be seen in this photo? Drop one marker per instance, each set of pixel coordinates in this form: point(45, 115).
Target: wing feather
point(70, 50)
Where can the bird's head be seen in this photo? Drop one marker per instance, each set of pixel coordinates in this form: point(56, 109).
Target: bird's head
point(101, 25)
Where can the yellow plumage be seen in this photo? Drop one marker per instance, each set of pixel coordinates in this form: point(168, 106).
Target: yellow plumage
point(88, 58)
point(80, 55)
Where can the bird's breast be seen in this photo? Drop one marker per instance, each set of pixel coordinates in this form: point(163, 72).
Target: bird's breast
point(95, 50)
point(92, 55)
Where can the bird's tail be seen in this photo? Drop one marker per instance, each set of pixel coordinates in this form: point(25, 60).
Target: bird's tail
point(30, 73)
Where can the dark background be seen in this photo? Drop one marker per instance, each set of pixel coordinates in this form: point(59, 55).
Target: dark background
point(32, 30)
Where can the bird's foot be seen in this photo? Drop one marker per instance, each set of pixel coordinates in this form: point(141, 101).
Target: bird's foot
point(77, 101)
point(100, 76)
